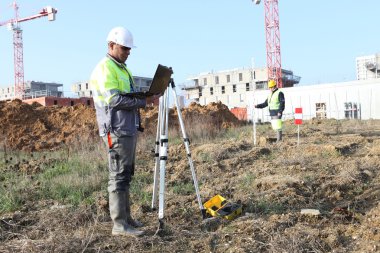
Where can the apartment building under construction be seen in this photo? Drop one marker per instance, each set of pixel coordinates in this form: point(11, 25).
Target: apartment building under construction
point(231, 87)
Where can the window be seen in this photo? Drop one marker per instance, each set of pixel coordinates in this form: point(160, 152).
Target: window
point(234, 88)
point(79, 86)
point(205, 81)
point(88, 102)
point(320, 110)
point(211, 91)
point(240, 77)
point(90, 93)
point(223, 90)
point(228, 78)
point(247, 87)
point(351, 110)
point(86, 86)
point(254, 75)
point(217, 80)
point(200, 92)
point(72, 103)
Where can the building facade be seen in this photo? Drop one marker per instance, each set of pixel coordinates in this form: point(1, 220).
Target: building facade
point(83, 89)
point(34, 89)
point(231, 87)
point(368, 67)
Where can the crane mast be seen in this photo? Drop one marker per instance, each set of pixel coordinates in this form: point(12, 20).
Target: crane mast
point(13, 24)
point(272, 35)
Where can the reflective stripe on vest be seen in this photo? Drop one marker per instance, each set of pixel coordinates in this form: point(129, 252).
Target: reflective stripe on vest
point(108, 79)
point(273, 100)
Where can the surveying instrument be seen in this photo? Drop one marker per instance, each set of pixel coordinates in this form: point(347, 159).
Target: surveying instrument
point(161, 153)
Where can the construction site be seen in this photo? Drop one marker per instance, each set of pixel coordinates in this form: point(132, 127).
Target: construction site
point(316, 190)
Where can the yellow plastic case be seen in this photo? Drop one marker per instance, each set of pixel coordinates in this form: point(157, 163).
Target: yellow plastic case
point(218, 206)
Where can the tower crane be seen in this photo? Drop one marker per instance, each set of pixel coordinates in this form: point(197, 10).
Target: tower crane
point(272, 34)
point(13, 24)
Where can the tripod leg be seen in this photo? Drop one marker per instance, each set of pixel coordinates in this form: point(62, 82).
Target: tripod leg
point(187, 146)
point(163, 153)
point(156, 156)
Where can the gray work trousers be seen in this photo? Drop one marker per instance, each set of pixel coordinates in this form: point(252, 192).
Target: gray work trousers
point(121, 161)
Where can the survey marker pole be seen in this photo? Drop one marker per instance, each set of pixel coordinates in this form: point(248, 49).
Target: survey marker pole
point(254, 124)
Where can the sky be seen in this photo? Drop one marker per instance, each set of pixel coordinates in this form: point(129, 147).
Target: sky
point(319, 40)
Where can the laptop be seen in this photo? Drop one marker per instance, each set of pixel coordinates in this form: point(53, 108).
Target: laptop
point(159, 84)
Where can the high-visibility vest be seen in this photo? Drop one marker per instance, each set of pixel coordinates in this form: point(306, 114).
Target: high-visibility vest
point(273, 100)
point(107, 79)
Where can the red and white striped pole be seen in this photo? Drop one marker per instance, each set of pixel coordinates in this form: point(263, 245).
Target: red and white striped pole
point(298, 121)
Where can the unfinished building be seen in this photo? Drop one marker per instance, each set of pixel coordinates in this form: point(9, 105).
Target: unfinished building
point(368, 67)
point(231, 87)
point(33, 89)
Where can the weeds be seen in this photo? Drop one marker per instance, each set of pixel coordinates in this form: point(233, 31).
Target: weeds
point(183, 188)
point(137, 188)
point(70, 181)
point(247, 181)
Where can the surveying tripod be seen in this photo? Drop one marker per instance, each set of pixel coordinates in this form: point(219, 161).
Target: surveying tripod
point(161, 153)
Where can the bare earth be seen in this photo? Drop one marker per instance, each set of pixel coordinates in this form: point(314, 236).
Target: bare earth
point(334, 170)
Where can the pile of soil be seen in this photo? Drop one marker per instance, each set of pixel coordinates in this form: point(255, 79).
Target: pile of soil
point(213, 115)
point(35, 127)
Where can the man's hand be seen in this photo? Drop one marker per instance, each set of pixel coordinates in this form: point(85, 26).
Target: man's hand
point(151, 99)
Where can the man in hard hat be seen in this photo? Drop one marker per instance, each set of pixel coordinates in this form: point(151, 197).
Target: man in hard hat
point(276, 104)
point(118, 121)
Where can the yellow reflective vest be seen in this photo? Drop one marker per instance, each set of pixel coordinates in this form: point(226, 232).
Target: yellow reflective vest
point(273, 100)
point(116, 110)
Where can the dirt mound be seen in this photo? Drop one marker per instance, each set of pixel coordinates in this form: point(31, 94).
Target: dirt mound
point(35, 127)
point(213, 115)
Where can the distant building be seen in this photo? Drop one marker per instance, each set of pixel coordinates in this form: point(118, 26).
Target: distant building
point(83, 89)
point(231, 87)
point(368, 67)
point(34, 89)
point(61, 101)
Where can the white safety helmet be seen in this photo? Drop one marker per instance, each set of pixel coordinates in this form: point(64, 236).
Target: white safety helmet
point(121, 36)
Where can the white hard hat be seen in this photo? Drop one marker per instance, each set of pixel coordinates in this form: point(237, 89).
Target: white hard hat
point(121, 36)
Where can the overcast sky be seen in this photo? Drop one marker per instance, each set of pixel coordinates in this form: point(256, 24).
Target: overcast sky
point(319, 40)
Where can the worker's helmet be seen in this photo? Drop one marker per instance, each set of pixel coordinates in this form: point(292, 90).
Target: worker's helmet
point(271, 83)
point(121, 36)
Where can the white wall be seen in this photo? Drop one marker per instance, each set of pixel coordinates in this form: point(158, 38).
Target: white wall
point(365, 93)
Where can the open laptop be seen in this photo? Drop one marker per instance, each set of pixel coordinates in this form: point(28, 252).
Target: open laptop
point(159, 84)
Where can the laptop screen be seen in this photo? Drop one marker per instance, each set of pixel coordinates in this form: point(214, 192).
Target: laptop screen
point(161, 79)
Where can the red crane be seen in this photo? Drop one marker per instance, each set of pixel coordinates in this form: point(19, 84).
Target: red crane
point(13, 24)
point(272, 34)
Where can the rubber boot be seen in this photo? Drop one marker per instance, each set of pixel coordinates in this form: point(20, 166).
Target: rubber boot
point(133, 222)
point(279, 136)
point(119, 216)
